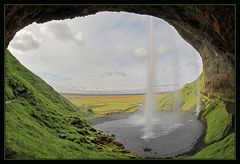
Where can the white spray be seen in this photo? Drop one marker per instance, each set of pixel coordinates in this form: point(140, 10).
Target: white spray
point(175, 68)
point(151, 81)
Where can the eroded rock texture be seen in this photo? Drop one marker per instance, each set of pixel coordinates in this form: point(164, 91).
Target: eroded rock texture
point(209, 29)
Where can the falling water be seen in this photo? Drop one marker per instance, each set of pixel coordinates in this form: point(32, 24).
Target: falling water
point(198, 95)
point(150, 96)
point(198, 106)
point(175, 68)
point(151, 127)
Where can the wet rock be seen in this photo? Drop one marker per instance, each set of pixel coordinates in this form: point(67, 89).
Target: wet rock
point(125, 151)
point(62, 135)
point(113, 135)
point(147, 149)
point(77, 122)
point(118, 144)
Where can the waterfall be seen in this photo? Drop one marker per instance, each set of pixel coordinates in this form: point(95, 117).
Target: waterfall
point(198, 106)
point(151, 80)
point(175, 69)
point(156, 126)
point(198, 95)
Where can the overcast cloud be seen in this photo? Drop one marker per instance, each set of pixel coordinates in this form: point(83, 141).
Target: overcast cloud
point(61, 31)
point(25, 41)
point(105, 51)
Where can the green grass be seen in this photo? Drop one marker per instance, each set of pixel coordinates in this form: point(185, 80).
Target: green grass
point(37, 115)
point(189, 93)
point(188, 96)
point(105, 105)
point(114, 108)
point(165, 101)
point(223, 149)
point(218, 120)
point(37, 137)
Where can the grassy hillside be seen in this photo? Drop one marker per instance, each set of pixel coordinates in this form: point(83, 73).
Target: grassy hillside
point(188, 96)
point(189, 93)
point(41, 124)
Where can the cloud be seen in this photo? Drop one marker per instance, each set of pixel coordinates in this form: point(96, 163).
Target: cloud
point(54, 77)
point(62, 32)
point(25, 41)
point(140, 53)
point(114, 73)
point(163, 49)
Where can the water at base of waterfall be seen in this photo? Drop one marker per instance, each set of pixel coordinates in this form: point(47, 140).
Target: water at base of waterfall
point(168, 138)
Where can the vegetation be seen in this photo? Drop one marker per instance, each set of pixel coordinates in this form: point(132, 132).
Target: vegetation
point(165, 101)
point(188, 96)
point(223, 149)
point(41, 124)
point(218, 120)
point(219, 138)
point(213, 114)
point(105, 105)
point(189, 93)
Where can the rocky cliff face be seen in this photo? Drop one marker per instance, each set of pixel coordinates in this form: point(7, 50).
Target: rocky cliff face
point(209, 29)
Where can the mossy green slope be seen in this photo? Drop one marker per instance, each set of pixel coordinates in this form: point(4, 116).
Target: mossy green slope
point(218, 120)
point(224, 149)
point(41, 124)
point(189, 93)
point(220, 139)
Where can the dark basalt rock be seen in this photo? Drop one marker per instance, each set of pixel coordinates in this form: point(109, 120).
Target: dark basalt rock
point(209, 29)
point(147, 149)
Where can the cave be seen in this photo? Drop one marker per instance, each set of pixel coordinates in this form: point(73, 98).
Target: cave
point(209, 29)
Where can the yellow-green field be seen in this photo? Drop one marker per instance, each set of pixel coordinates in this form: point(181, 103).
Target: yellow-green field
point(103, 105)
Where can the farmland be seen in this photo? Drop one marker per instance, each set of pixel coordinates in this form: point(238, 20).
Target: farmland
point(102, 105)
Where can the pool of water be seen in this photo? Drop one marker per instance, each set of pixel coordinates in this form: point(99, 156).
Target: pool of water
point(172, 133)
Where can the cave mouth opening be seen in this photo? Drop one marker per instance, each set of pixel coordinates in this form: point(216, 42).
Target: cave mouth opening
point(48, 51)
point(115, 42)
point(202, 26)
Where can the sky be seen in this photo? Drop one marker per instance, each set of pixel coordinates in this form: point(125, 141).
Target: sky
point(105, 52)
